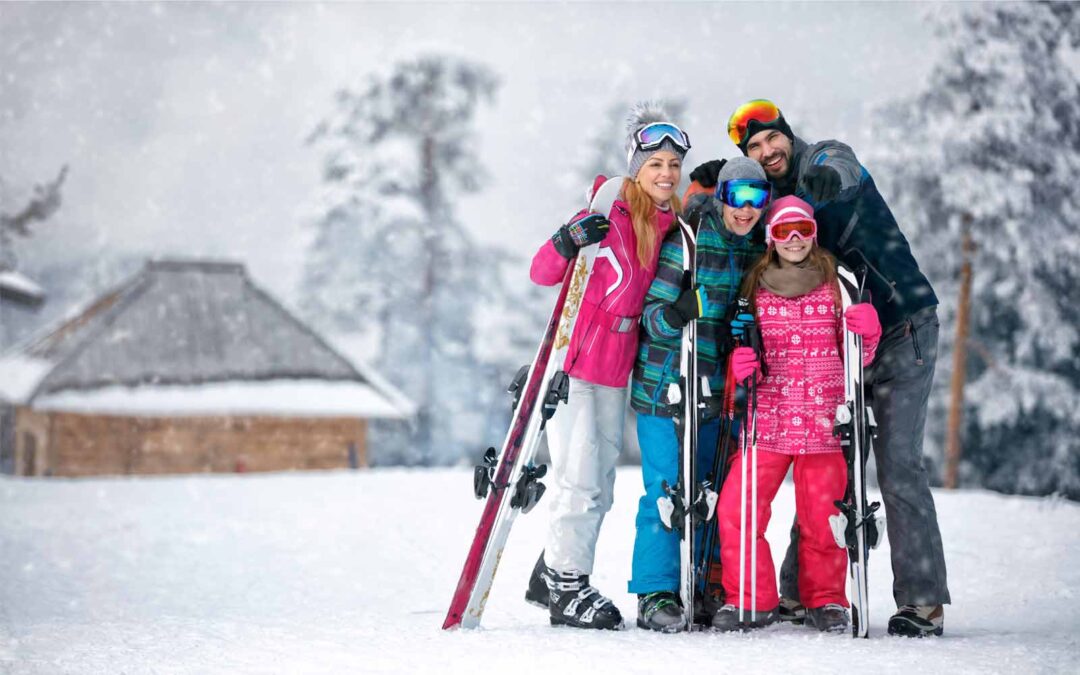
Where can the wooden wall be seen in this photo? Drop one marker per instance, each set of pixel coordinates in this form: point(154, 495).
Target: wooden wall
point(71, 444)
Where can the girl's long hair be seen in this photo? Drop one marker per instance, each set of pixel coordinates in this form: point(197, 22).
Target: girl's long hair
point(643, 216)
point(819, 257)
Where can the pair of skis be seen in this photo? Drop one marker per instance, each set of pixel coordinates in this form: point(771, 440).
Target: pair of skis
point(859, 526)
point(508, 480)
point(690, 503)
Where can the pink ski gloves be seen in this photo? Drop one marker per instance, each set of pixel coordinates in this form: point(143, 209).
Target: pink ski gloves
point(744, 363)
point(862, 319)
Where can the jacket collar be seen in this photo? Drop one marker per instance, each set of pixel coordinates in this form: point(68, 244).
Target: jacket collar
point(785, 186)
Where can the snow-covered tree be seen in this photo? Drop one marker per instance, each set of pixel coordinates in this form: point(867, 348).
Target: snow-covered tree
point(44, 202)
point(989, 152)
point(18, 291)
point(391, 261)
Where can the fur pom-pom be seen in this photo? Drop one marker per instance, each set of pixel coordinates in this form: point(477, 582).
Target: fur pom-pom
point(645, 112)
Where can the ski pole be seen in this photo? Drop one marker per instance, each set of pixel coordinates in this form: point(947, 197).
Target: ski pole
point(721, 453)
point(754, 340)
point(742, 521)
point(753, 500)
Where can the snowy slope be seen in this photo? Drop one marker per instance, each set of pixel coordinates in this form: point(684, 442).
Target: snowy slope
point(352, 572)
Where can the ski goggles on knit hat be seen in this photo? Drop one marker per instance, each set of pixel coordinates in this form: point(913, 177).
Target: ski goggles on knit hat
point(780, 233)
point(652, 136)
point(788, 217)
point(740, 192)
point(760, 110)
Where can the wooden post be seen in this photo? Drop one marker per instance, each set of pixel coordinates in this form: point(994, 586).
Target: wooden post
point(953, 449)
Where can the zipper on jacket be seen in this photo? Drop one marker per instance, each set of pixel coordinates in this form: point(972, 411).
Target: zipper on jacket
point(660, 383)
point(733, 289)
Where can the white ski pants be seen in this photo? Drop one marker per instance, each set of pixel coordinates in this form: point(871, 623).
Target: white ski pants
point(584, 437)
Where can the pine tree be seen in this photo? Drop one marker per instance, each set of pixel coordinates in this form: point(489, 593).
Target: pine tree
point(390, 259)
point(990, 151)
point(41, 206)
point(26, 293)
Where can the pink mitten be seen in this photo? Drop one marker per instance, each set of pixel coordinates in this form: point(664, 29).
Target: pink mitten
point(862, 319)
point(744, 363)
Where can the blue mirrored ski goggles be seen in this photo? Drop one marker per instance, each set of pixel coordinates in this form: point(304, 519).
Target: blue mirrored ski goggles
point(742, 191)
point(652, 136)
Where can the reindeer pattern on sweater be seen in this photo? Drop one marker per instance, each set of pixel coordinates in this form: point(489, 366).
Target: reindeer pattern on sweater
point(802, 341)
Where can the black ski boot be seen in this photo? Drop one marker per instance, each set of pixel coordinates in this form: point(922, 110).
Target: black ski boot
point(726, 619)
point(832, 618)
point(918, 621)
point(707, 605)
point(791, 611)
point(573, 601)
point(537, 592)
point(660, 612)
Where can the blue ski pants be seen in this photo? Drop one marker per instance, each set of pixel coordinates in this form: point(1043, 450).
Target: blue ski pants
point(655, 565)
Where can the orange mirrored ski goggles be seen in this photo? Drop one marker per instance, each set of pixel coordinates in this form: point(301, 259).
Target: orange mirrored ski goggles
point(760, 109)
point(785, 231)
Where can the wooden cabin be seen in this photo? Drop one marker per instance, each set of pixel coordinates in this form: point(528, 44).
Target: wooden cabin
point(187, 367)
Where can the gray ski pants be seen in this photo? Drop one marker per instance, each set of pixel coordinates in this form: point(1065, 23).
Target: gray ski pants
point(899, 383)
point(585, 437)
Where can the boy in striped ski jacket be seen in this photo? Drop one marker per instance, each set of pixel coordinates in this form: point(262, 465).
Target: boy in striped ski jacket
point(726, 247)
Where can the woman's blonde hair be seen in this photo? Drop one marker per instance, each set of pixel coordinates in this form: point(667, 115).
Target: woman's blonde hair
point(818, 257)
point(643, 216)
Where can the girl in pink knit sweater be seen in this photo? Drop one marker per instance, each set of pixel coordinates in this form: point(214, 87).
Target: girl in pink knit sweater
point(795, 294)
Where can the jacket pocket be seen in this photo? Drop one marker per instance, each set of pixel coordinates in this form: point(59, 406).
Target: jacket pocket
point(606, 345)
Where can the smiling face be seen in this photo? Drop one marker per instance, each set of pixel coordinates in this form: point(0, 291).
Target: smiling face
point(659, 176)
point(795, 250)
point(741, 220)
point(771, 149)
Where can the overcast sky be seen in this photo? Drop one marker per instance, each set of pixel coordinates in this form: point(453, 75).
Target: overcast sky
point(183, 124)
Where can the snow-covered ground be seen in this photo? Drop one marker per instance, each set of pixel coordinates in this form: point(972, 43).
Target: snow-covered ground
point(353, 571)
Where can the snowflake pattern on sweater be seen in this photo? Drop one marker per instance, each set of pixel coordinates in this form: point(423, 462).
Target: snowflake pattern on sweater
point(802, 341)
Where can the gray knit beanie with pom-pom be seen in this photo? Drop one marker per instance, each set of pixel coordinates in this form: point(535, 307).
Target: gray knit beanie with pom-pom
point(642, 115)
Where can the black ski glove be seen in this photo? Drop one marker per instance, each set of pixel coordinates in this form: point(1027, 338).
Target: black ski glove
point(822, 183)
point(584, 229)
point(706, 174)
point(691, 304)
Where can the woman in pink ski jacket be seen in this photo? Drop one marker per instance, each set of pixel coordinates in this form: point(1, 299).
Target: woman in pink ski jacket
point(795, 294)
point(585, 436)
point(604, 344)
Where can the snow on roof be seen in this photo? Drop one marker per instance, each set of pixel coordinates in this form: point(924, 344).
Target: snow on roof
point(186, 322)
point(354, 348)
point(279, 398)
point(20, 376)
point(20, 288)
point(182, 324)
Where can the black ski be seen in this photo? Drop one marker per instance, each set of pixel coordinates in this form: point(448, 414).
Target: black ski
point(859, 526)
